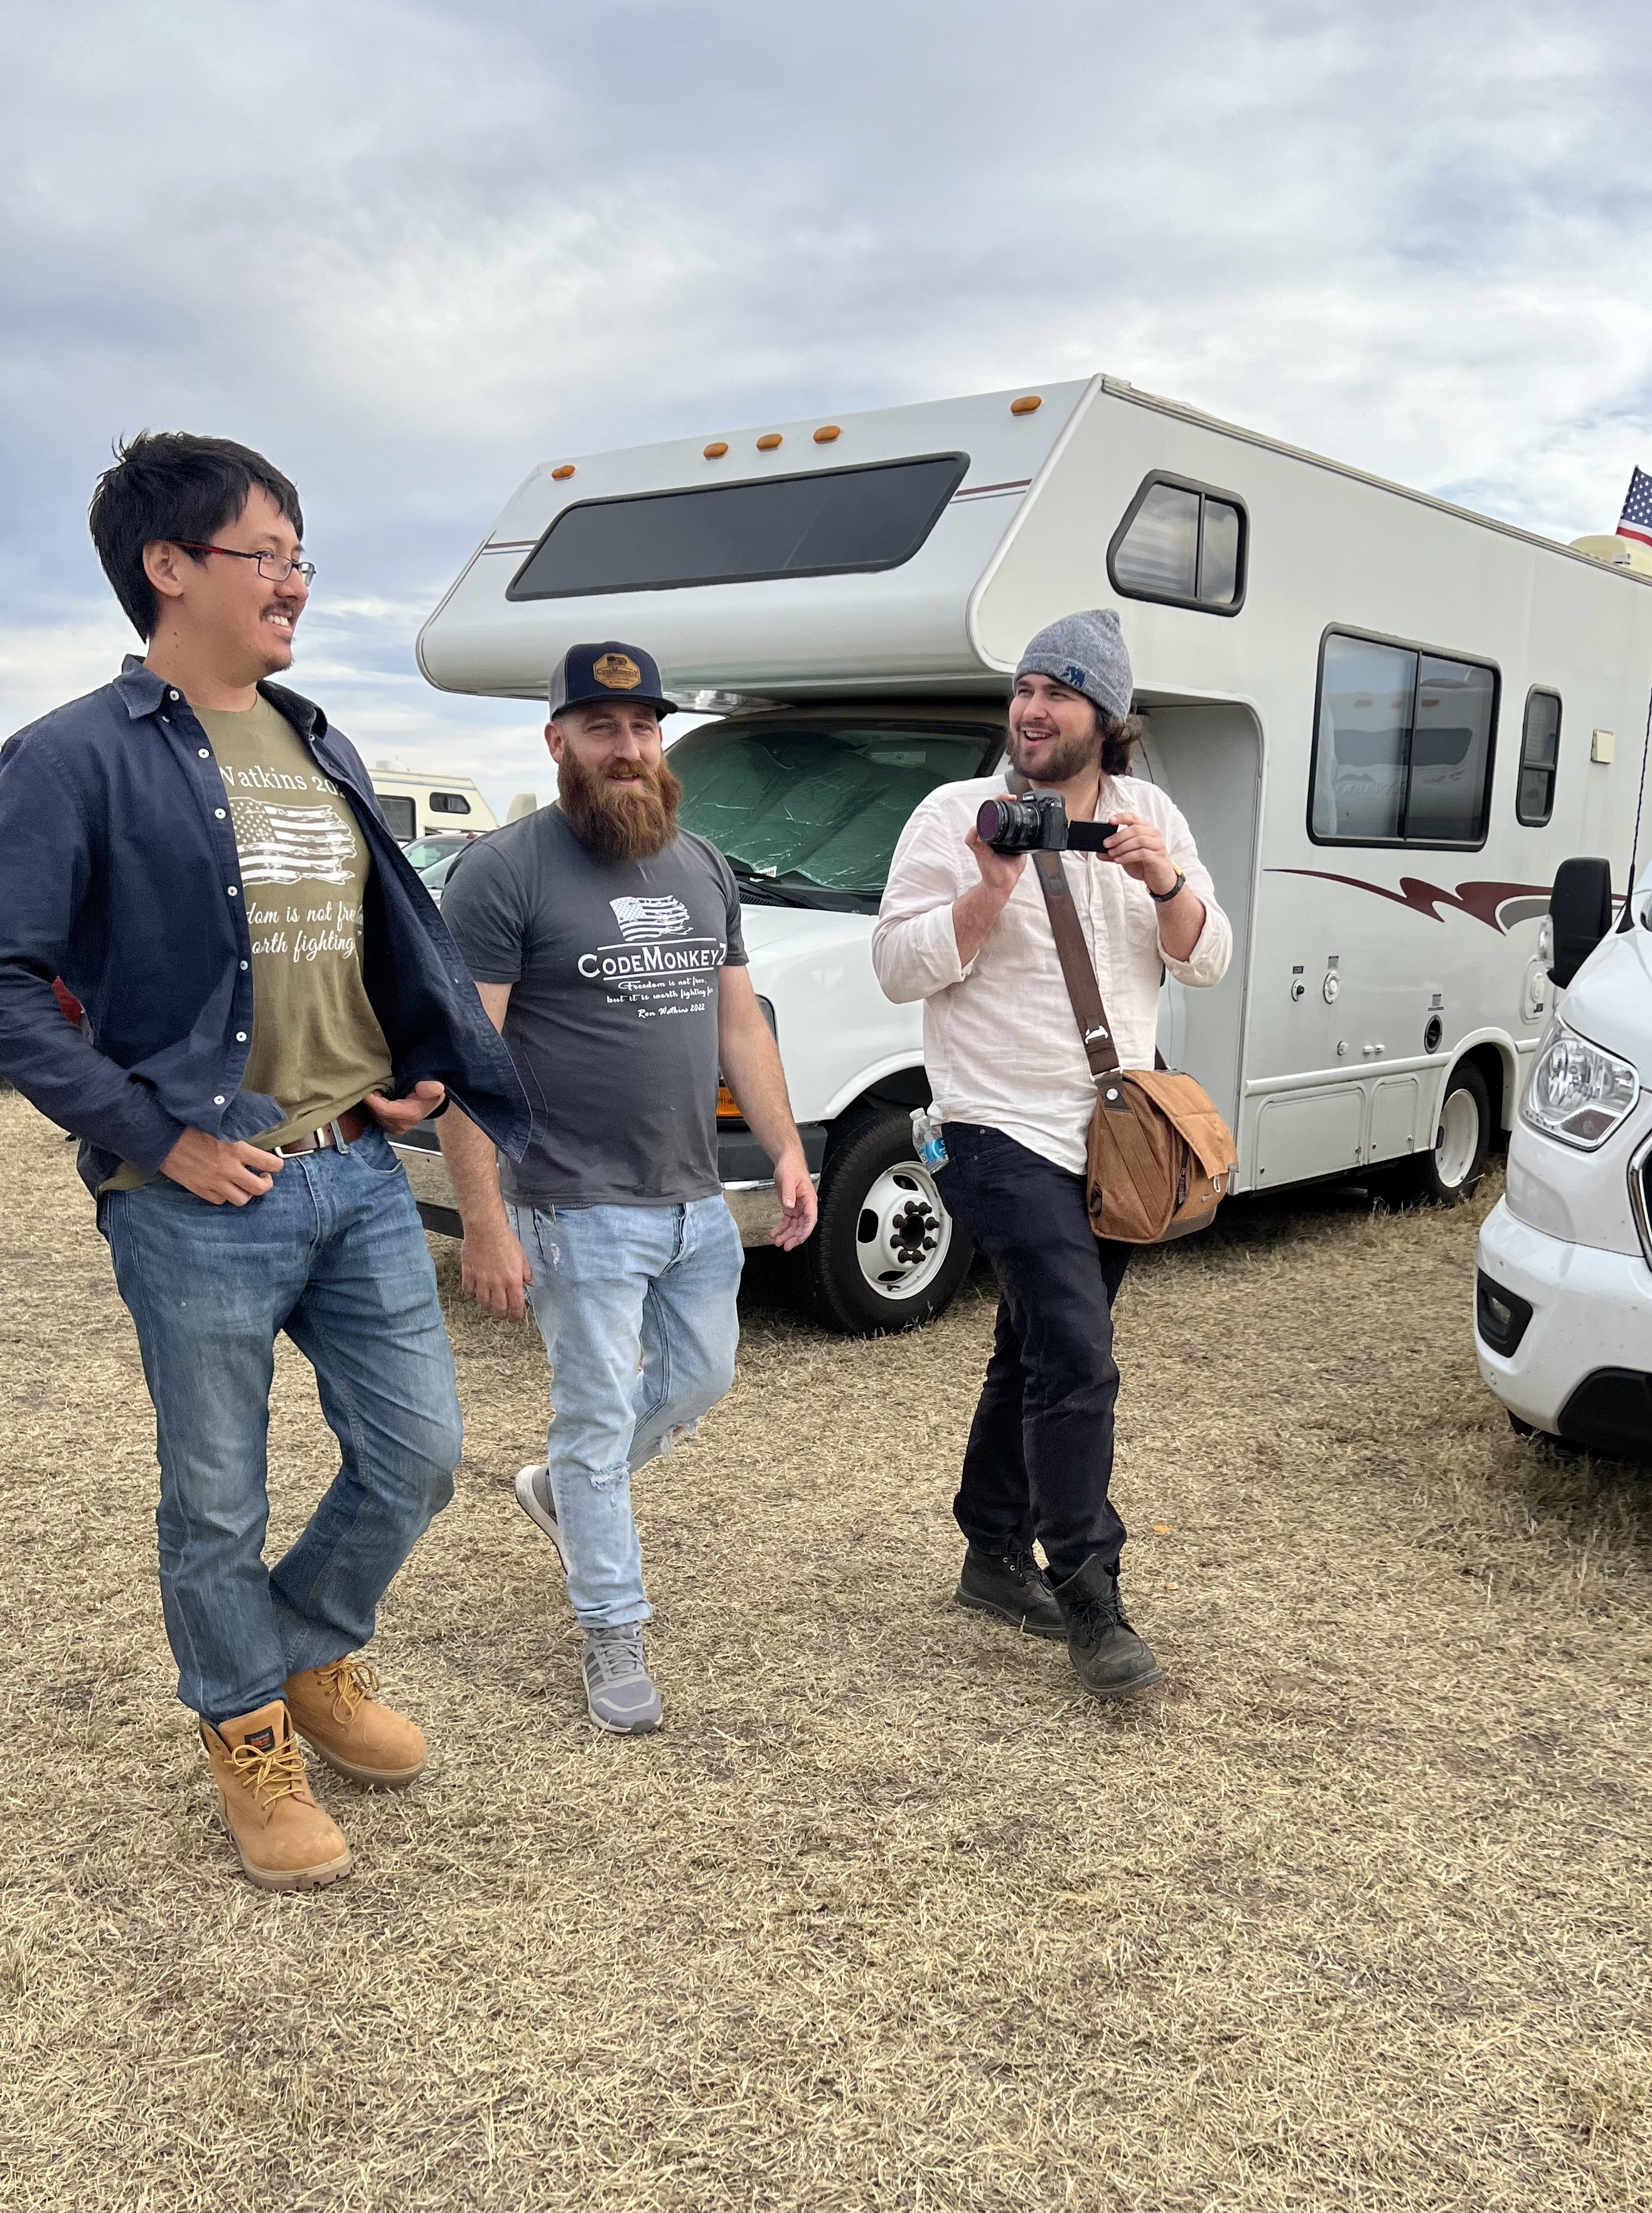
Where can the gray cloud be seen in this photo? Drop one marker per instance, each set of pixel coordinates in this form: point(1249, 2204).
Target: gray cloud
point(412, 251)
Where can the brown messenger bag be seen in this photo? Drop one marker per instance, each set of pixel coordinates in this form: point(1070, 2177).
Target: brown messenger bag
point(1161, 1158)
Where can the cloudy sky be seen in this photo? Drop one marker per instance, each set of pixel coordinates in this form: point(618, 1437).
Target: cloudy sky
point(409, 250)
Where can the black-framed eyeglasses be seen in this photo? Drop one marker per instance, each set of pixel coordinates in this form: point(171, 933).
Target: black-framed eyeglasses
point(274, 568)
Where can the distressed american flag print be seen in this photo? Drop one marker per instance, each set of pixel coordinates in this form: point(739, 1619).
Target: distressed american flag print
point(291, 844)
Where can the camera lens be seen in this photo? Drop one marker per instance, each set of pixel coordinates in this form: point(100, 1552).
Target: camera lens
point(1009, 826)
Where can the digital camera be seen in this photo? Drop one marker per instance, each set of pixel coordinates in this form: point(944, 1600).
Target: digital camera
point(1037, 824)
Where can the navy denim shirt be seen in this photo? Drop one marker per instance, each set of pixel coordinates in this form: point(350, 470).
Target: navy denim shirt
point(119, 872)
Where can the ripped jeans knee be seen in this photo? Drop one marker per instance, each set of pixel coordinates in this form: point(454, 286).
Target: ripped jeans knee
point(599, 1478)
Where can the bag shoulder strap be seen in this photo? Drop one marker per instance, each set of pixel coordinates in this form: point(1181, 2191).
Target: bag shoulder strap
point(1077, 969)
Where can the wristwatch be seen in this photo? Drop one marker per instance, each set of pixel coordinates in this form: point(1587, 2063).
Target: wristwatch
point(1163, 899)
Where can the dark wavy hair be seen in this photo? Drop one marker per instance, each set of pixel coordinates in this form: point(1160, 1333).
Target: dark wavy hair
point(167, 483)
point(1120, 736)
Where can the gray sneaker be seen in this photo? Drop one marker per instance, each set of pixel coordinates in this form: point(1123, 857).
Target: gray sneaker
point(534, 1497)
point(619, 1693)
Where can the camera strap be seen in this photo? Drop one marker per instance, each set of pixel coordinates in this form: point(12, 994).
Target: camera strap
point(1077, 969)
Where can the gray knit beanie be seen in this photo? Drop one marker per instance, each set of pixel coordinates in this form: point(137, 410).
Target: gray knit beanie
point(1087, 652)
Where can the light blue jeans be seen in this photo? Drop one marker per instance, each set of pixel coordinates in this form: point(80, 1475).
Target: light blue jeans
point(334, 1254)
point(637, 1306)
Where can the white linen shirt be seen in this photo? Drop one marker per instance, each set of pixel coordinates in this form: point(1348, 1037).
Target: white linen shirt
point(1000, 1039)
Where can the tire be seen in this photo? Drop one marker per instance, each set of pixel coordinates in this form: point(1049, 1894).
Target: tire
point(1449, 1171)
point(885, 1254)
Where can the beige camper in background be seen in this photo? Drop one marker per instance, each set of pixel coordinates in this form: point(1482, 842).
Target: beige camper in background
point(429, 803)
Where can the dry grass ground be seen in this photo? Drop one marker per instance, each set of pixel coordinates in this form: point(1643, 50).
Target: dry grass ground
point(1354, 1914)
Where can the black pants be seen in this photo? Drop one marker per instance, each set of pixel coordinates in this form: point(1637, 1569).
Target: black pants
point(1039, 1456)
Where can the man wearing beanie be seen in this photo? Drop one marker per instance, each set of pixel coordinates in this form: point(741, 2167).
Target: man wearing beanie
point(966, 930)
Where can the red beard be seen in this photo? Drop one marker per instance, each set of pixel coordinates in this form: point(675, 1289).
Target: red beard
point(628, 816)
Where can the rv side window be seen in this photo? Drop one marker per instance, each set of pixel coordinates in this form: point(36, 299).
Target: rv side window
point(1403, 745)
point(399, 817)
point(826, 523)
point(1182, 543)
point(1539, 755)
point(450, 802)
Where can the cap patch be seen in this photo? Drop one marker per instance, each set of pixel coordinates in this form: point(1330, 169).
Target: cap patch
point(1074, 677)
point(617, 672)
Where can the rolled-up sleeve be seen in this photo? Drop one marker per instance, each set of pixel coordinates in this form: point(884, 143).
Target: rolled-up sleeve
point(1207, 963)
point(914, 946)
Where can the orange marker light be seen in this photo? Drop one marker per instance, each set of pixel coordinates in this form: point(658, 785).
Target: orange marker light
point(717, 449)
point(768, 441)
point(566, 470)
point(1028, 404)
point(826, 433)
point(727, 1105)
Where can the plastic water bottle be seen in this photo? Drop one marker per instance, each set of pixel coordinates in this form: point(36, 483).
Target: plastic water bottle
point(929, 1142)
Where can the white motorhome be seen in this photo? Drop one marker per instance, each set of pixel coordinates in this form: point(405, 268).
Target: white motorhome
point(1387, 720)
point(1563, 1292)
point(429, 803)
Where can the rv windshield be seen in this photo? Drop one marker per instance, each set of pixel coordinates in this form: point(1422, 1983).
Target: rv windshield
point(808, 811)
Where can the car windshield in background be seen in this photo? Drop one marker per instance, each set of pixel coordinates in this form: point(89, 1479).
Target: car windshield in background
point(435, 873)
point(818, 525)
point(808, 811)
point(425, 852)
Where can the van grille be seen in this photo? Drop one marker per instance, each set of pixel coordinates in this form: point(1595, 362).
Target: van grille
point(1640, 1197)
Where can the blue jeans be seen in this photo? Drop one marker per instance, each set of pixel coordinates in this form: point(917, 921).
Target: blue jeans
point(637, 1306)
point(334, 1255)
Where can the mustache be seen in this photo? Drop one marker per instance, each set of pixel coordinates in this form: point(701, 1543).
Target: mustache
point(625, 811)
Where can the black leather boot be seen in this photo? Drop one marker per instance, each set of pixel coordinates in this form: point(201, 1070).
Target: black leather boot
point(1108, 1657)
point(1012, 1585)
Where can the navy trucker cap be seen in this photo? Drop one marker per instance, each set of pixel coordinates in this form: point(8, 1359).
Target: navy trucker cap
point(608, 671)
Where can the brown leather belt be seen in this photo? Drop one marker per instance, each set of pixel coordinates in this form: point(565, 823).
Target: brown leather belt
point(349, 1126)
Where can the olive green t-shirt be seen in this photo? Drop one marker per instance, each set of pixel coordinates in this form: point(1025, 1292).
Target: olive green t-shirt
point(316, 1044)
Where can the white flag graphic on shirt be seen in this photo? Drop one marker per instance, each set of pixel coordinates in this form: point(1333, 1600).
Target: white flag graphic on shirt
point(291, 844)
point(664, 917)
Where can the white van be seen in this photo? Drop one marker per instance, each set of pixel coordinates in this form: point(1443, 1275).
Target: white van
point(421, 803)
point(1562, 1294)
point(1387, 720)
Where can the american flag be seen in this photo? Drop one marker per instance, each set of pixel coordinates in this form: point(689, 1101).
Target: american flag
point(291, 844)
point(1636, 521)
point(663, 916)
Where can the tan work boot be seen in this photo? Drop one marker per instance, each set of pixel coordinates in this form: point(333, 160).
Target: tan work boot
point(338, 1712)
point(285, 1840)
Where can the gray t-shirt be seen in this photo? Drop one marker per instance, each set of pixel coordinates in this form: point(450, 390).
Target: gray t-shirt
point(612, 1021)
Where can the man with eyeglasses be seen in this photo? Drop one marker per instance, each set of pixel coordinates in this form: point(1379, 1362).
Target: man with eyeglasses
point(267, 992)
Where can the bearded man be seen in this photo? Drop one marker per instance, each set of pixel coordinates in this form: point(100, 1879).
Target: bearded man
point(606, 943)
point(966, 930)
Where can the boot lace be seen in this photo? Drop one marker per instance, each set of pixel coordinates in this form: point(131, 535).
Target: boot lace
point(1097, 1615)
point(278, 1773)
point(349, 1682)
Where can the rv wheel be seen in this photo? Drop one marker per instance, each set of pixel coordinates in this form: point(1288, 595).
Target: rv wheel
point(1449, 1171)
point(887, 1255)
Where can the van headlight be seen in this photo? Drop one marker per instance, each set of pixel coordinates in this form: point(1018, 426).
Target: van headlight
point(1576, 1092)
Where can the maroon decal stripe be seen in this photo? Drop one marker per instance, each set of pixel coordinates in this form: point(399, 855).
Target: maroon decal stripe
point(1479, 899)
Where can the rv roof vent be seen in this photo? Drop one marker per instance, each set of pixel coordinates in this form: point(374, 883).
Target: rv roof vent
point(1617, 553)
